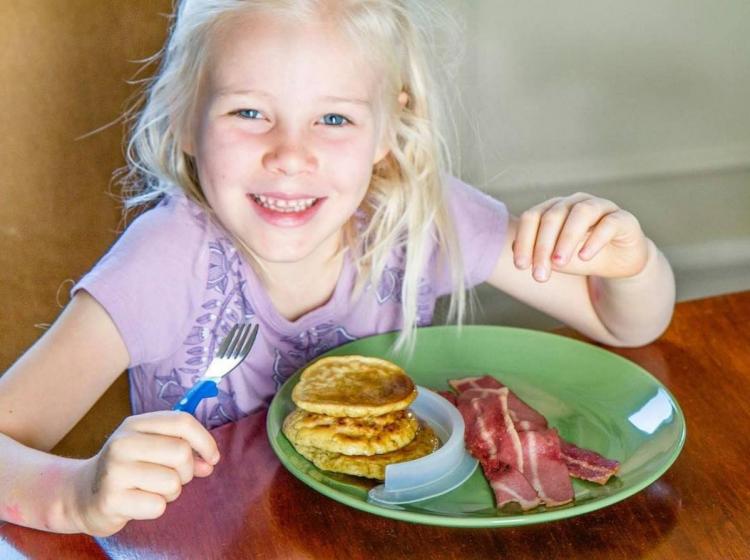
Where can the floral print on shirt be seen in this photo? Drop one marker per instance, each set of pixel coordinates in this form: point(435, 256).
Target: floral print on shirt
point(216, 316)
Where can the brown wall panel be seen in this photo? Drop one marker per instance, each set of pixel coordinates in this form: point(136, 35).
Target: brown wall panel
point(64, 67)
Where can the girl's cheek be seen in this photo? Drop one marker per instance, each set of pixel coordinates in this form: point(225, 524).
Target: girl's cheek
point(349, 148)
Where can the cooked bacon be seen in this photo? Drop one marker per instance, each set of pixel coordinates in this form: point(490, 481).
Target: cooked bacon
point(510, 486)
point(490, 435)
point(524, 460)
point(524, 417)
point(588, 465)
point(450, 396)
point(483, 382)
point(492, 438)
point(544, 467)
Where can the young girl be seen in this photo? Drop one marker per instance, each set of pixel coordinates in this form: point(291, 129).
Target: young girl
point(290, 159)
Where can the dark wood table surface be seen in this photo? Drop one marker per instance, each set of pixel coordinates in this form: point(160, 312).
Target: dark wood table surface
point(251, 507)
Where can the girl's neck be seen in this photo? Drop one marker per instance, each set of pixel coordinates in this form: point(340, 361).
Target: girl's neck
point(297, 288)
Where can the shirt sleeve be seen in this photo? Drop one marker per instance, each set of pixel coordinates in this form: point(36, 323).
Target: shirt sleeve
point(480, 223)
point(146, 280)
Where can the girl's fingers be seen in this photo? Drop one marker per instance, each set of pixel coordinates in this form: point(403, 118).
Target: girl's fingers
point(602, 234)
point(168, 451)
point(178, 425)
point(550, 224)
point(149, 477)
point(528, 226)
point(583, 216)
point(201, 469)
point(138, 504)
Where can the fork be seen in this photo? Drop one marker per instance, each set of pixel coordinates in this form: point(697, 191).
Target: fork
point(233, 350)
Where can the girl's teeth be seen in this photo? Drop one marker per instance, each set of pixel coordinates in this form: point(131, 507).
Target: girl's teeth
point(280, 205)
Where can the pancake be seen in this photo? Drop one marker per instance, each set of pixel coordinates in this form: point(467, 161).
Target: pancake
point(353, 386)
point(372, 466)
point(364, 435)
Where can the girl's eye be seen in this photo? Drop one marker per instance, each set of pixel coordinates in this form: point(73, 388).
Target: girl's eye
point(248, 114)
point(332, 119)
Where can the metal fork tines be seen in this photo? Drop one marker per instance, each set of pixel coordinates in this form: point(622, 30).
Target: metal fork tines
point(235, 346)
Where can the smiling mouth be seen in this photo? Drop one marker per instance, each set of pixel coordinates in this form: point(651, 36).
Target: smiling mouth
point(284, 206)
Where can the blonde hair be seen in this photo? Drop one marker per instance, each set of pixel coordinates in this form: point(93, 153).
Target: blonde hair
point(404, 208)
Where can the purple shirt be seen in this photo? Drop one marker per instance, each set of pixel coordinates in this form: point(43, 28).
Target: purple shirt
point(174, 285)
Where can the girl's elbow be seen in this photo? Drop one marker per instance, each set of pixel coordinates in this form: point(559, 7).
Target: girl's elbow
point(644, 335)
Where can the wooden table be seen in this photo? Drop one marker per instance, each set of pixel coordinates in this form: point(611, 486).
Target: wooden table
point(253, 508)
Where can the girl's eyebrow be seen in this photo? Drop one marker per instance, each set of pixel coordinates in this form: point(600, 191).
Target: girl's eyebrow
point(332, 98)
point(228, 93)
point(354, 101)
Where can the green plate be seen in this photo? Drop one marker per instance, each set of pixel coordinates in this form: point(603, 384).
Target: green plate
point(595, 399)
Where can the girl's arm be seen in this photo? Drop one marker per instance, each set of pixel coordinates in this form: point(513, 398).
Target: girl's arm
point(52, 386)
point(586, 262)
point(142, 466)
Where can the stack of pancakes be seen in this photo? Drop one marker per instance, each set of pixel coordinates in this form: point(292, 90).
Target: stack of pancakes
point(352, 417)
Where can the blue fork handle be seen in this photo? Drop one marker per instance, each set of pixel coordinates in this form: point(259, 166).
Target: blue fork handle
point(201, 390)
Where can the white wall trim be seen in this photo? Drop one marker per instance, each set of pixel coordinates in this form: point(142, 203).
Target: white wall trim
point(626, 169)
point(708, 255)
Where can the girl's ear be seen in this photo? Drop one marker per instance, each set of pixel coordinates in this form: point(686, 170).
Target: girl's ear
point(186, 142)
point(382, 150)
point(185, 132)
point(403, 99)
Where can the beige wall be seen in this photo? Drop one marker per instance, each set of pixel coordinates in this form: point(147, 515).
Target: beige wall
point(589, 92)
point(63, 72)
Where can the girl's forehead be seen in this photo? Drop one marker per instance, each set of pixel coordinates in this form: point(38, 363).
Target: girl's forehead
point(273, 53)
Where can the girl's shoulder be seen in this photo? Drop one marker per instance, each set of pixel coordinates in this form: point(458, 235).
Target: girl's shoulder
point(174, 218)
point(154, 276)
point(465, 196)
point(474, 212)
point(479, 224)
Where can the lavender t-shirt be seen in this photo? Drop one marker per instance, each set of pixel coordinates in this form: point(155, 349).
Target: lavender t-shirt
point(174, 285)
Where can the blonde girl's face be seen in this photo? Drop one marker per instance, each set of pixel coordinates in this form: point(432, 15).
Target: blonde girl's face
point(285, 135)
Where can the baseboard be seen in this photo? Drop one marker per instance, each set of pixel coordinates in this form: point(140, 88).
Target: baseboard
point(707, 255)
point(710, 268)
point(638, 168)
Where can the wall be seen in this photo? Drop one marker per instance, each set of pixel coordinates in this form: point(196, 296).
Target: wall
point(644, 102)
point(64, 68)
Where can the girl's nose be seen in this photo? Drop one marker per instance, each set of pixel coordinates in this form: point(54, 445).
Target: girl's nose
point(289, 159)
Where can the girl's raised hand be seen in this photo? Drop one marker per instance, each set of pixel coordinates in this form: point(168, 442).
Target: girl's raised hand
point(141, 468)
point(579, 234)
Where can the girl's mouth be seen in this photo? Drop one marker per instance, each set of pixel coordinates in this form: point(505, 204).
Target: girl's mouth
point(286, 206)
point(285, 212)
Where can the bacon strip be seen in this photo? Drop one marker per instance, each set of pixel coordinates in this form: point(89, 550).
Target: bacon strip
point(588, 465)
point(545, 469)
point(524, 417)
point(492, 438)
point(450, 396)
point(490, 434)
point(510, 486)
point(483, 382)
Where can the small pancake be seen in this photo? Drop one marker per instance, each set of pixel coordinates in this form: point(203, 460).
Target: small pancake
point(353, 386)
point(371, 466)
point(365, 435)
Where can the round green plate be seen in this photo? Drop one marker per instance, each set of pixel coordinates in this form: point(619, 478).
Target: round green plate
point(596, 399)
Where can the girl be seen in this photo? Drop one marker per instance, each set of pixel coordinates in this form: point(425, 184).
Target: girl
point(290, 156)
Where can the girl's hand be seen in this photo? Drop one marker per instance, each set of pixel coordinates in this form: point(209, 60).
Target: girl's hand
point(579, 234)
point(141, 468)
